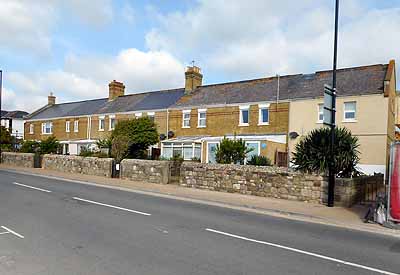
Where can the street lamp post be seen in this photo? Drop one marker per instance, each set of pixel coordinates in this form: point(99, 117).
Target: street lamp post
point(1, 84)
point(332, 175)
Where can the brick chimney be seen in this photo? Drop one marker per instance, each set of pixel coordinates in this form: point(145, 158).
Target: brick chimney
point(115, 89)
point(51, 99)
point(193, 78)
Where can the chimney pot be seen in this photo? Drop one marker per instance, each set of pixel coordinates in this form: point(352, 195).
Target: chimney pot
point(115, 89)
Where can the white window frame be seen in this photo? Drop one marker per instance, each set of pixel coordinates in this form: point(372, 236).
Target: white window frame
point(31, 128)
point(260, 108)
point(76, 126)
point(241, 109)
point(44, 128)
point(67, 126)
point(346, 111)
point(186, 112)
point(210, 142)
point(137, 115)
point(320, 111)
point(110, 119)
point(201, 111)
point(102, 118)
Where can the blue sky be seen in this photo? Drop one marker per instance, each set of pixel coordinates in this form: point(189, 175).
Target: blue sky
point(74, 48)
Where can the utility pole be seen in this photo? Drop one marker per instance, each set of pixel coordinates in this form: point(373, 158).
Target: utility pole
point(332, 175)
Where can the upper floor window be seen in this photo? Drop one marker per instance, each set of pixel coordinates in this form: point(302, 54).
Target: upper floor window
point(67, 126)
point(151, 115)
point(47, 127)
point(350, 111)
point(320, 113)
point(76, 126)
point(201, 118)
point(244, 116)
point(102, 123)
point(137, 115)
point(112, 123)
point(263, 114)
point(31, 128)
point(186, 119)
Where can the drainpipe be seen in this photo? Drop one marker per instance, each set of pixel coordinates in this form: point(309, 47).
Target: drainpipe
point(166, 132)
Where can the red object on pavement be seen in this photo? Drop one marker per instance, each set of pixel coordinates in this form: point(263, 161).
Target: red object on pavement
point(395, 185)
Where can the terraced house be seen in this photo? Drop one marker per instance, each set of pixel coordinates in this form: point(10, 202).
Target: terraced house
point(270, 114)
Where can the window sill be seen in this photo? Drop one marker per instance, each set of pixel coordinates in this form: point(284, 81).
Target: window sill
point(319, 122)
point(263, 123)
point(349, 120)
point(47, 133)
point(101, 130)
point(201, 126)
point(243, 124)
point(185, 127)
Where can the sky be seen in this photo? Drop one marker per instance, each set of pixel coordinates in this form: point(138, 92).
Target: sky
point(75, 48)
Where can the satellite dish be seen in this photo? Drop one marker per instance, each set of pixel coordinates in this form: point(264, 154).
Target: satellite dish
point(293, 135)
point(162, 137)
point(171, 134)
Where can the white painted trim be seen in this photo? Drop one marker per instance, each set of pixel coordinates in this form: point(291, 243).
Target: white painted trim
point(186, 112)
point(151, 113)
point(67, 126)
point(200, 111)
point(210, 142)
point(264, 105)
point(76, 125)
point(260, 108)
point(244, 107)
point(138, 114)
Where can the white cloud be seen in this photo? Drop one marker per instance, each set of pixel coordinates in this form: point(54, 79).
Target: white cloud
point(243, 39)
point(87, 78)
point(25, 25)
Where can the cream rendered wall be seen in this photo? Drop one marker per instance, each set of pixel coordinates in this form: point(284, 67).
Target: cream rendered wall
point(370, 126)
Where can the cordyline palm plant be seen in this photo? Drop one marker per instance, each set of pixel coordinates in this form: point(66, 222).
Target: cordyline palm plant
point(312, 153)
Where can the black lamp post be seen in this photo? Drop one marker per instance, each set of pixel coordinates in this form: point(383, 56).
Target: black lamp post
point(332, 176)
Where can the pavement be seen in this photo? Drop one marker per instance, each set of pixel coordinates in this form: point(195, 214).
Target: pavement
point(56, 226)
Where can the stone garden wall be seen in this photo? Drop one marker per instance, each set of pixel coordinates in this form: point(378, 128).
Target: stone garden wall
point(253, 180)
point(18, 159)
point(148, 171)
point(81, 165)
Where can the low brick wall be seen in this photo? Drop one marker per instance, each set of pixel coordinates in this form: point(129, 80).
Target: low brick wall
point(151, 171)
point(81, 165)
point(254, 180)
point(18, 159)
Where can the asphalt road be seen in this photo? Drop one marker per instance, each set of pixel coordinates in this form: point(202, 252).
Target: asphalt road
point(51, 226)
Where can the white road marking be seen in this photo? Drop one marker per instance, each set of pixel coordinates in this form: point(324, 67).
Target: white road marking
point(304, 252)
point(113, 206)
point(31, 187)
point(13, 232)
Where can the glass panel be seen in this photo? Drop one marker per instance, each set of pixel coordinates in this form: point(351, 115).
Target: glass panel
point(212, 147)
point(167, 152)
point(254, 146)
point(265, 115)
point(350, 106)
point(203, 115)
point(350, 115)
point(197, 152)
point(320, 112)
point(245, 116)
point(177, 151)
point(187, 153)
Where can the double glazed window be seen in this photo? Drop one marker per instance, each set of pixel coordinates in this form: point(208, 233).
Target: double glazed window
point(244, 116)
point(186, 150)
point(263, 114)
point(111, 122)
point(102, 123)
point(320, 113)
point(151, 115)
point(201, 118)
point(67, 126)
point(350, 111)
point(186, 119)
point(47, 128)
point(76, 126)
point(31, 128)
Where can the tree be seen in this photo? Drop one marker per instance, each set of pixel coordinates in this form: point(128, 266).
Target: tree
point(49, 145)
point(312, 153)
point(140, 132)
point(5, 136)
point(231, 151)
point(120, 147)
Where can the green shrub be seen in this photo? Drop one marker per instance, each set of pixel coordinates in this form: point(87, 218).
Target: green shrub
point(85, 152)
point(312, 153)
point(259, 161)
point(231, 151)
point(30, 146)
point(49, 145)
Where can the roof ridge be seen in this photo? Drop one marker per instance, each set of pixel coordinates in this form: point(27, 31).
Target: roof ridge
point(354, 68)
point(155, 91)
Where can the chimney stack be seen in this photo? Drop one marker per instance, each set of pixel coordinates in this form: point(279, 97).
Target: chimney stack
point(193, 78)
point(51, 99)
point(115, 89)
